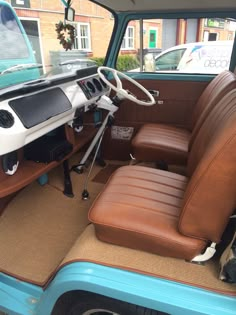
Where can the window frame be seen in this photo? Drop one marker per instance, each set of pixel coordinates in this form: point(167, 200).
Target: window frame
point(78, 36)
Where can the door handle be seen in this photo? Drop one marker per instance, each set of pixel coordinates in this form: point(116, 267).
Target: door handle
point(154, 93)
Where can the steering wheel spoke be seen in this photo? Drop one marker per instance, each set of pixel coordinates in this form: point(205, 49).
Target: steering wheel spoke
point(118, 81)
point(119, 88)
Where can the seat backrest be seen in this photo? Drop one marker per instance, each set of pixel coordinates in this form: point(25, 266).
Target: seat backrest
point(213, 93)
point(210, 197)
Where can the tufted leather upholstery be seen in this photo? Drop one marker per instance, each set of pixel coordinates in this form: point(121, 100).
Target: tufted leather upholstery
point(169, 214)
point(156, 142)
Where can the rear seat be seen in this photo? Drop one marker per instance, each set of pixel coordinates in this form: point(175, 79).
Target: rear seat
point(169, 214)
point(159, 142)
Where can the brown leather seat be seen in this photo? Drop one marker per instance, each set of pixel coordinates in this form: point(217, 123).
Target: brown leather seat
point(169, 214)
point(171, 144)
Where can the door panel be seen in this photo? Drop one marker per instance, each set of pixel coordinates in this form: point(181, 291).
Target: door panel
point(32, 31)
point(177, 103)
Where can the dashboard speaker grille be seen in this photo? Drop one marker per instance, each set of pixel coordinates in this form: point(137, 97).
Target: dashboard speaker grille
point(6, 119)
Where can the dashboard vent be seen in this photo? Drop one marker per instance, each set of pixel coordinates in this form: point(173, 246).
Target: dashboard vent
point(6, 119)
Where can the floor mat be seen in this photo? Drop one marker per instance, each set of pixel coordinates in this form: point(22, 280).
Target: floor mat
point(39, 227)
point(89, 248)
point(105, 173)
point(56, 178)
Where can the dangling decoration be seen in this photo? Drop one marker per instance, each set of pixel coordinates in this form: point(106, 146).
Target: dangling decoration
point(66, 34)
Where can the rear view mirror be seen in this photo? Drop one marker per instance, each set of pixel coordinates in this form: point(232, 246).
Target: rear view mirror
point(69, 14)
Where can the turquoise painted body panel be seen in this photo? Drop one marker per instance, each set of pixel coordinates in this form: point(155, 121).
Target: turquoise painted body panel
point(9, 57)
point(20, 298)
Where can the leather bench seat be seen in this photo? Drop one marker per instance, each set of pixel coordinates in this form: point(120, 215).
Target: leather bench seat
point(169, 214)
point(171, 144)
point(141, 207)
point(155, 142)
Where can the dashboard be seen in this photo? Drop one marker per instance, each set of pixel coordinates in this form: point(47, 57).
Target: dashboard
point(24, 118)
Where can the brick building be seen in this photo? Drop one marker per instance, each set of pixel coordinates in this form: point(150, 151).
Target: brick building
point(94, 25)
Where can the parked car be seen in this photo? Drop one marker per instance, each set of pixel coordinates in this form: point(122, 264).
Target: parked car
point(199, 57)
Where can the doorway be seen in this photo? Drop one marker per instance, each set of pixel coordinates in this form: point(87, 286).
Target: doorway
point(32, 30)
point(152, 38)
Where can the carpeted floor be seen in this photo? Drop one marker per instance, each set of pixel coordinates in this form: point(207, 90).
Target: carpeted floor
point(41, 230)
point(89, 248)
point(103, 176)
point(40, 225)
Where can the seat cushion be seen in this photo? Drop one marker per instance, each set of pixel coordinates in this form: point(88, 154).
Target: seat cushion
point(156, 142)
point(139, 208)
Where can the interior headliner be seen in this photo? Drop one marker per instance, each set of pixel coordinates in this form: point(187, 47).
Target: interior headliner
point(166, 5)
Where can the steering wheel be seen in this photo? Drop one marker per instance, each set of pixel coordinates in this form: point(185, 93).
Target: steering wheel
point(119, 89)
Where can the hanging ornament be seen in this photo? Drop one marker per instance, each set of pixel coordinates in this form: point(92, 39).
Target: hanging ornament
point(65, 34)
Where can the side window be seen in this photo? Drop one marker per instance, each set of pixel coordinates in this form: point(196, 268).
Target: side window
point(195, 45)
point(169, 60)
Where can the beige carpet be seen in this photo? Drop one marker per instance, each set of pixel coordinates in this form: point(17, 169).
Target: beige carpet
point(105, 173)
point(40, 225)
point(89, 248)
point(41, 229)
point(56, 177)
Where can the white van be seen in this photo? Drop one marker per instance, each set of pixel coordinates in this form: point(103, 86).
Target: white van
point(200, 57)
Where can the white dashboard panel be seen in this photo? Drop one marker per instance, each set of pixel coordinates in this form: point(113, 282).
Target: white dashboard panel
point(18, 136)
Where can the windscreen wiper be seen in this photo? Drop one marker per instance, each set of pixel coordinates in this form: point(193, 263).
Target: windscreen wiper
point(67, 62)
point(23, 66)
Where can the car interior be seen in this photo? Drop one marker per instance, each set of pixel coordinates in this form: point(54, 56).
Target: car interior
point(91, 172)
point(141, 211)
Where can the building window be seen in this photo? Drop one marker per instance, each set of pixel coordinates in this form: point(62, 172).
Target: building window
point(82, 36)
point(128, 40)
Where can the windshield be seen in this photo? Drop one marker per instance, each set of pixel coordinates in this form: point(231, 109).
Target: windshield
point(37, 42)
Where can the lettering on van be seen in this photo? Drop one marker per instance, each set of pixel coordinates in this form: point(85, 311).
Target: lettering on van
point(210, 56)
point(216, 63)
point(218, 57)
